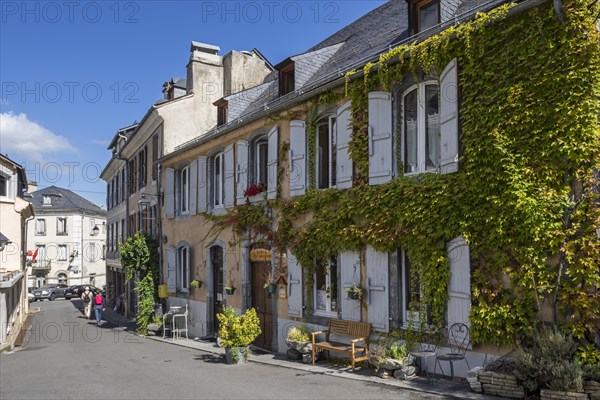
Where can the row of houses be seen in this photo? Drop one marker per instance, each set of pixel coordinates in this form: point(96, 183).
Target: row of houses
point(317, 161)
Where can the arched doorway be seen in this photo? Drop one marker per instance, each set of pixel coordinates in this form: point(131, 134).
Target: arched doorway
point(262, 302)
point(62, 278)
point(217, 261)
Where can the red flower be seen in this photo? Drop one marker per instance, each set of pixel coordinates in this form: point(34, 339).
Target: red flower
point(254, 189)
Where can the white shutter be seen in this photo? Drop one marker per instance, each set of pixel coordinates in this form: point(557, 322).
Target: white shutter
point(449, 118)
point(343, 160)
point(241, 171)
point(229, 169)
point(459, 286)
point(170, 193)
point(350, 275)
point(273, 154)
point(294, 286)
point(297, 158)
point(171, 269)
point(377, 289)
point(380, 138)
point(193, 171)
point(202, 184)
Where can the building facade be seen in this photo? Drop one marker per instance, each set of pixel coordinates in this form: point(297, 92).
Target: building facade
point(374, 160)
point(68, 234)
point(15, 211)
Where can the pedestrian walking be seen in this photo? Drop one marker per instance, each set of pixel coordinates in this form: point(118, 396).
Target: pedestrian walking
point(87, 296)
point(99, 306)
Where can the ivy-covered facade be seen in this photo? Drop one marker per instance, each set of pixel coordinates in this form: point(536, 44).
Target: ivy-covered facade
point(453, 177)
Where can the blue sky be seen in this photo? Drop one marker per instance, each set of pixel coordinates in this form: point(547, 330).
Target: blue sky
point(73, 72)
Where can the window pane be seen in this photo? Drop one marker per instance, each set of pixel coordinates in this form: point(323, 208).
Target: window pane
point(432, 134)
point(261, 162)
point(321, 286)
point(428, 16)
point(184, 190)
point(218, 180)
point(3, 186)
point(323, 155)
point(333, 283)
point(333, 167)
point(410, 132)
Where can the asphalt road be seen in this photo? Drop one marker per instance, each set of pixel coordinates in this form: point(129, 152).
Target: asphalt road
point(68, 357)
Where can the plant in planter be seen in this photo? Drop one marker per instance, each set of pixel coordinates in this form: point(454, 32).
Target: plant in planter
point(254, 189)
point(229, 290)
point(270, 285)
point(549, 364)
point(355, 292)
point(391, 355)
point(196, 283)
point(588, 356)
point(299, 342)
point(236, 332)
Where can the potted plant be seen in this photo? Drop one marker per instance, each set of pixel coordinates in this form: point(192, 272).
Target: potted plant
point(196, 283)
point(229, 290)
point(236, 332)
point(391, 356)
point(155, 326)
point(254, 190)
point(270, 285)
point(299, 343)
point(355, 292)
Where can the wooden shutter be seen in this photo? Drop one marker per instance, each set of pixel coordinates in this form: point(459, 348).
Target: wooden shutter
point(170, 193)
point(229, 169)
point(297, 158)
point(273, 154)
point(350, 274)
point(202, 184)
point(193, 171)
point(343, 160)
point(459, 286)
point(241, 171)
point(171, 269)
point(380, 137)
point(294, 286)
point(377, 289)
point(449, 118)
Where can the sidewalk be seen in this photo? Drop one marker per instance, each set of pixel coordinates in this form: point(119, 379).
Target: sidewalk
point(443, 387)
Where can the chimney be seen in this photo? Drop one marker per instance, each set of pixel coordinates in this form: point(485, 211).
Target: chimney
point(205, 70)
point(31, 186)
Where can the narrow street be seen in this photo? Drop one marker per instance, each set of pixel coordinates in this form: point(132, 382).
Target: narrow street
point(68, 357)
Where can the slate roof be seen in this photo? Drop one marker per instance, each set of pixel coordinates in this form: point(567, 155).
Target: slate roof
point(63, 200)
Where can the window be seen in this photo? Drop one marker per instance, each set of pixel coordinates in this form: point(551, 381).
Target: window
point(41, 257)
point(132, 175)
point(61, 226)
point(3, 185)
point(92, 252)
point(326, 287)
point(40, 226)
point(46, 201)
point(411, 290)
point(62, 252)
point(326, 157)
point(218, 180)
point(123, 186)
point(154, 157)
point(287, 79)
point(62, 279)
point(221, 114)
point(183, 262)
point(184, 190)
point(117, 198)
point(142, 160)
point(259, 161)
point(427, 14)
point(421, 128)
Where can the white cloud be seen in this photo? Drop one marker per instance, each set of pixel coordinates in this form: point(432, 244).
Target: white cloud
point(28, 139)
point(101, 142)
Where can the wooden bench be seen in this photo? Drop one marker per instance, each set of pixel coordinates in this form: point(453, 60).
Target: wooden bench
point(355, 331)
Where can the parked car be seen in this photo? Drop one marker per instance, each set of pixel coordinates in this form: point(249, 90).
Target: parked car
point(30, 296)
point(75, 291)
point(50, 292)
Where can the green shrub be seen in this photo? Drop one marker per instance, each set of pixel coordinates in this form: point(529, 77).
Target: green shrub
point(238, 330)
point(588, 357)
point(549, 363)
point(299, 333)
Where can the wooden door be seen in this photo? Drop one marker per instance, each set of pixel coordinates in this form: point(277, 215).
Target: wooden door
point(262, 303)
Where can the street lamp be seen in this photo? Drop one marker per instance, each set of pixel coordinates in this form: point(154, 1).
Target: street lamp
point(144, 202)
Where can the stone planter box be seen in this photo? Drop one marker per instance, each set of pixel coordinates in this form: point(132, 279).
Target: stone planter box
point(402, 369)
point(236, 355)
point(592, 388)
point(546, 394)
point(301, 347)
point(499, 384)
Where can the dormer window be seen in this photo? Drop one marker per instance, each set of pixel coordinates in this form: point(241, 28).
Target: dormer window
point(3, 186)
point(221, 114)
point(287, 79)
point(427, 14)
point(46, 201)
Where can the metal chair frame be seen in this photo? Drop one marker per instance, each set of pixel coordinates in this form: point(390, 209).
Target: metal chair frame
point(426, 349)
point(459, 342)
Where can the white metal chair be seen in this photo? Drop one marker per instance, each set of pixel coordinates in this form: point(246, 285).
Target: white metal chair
point(180, 324)
point(425, 350)
point(459, 342)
